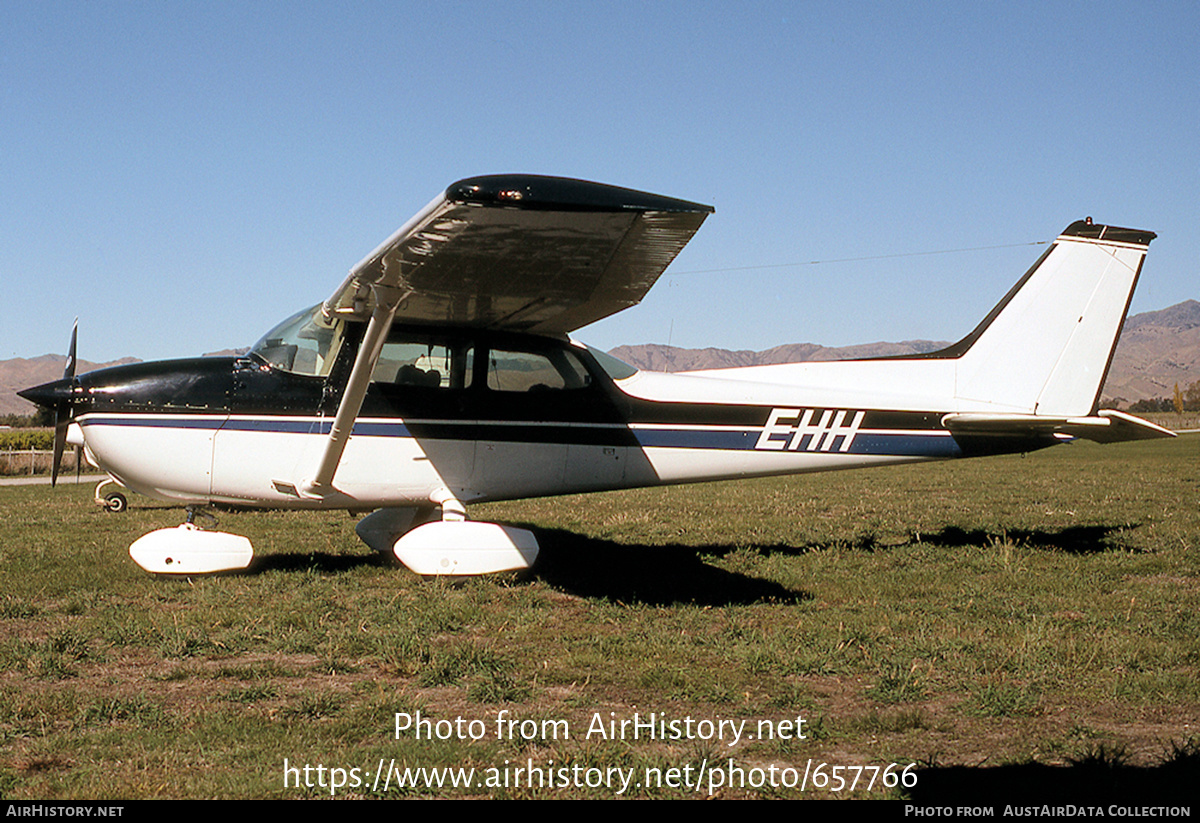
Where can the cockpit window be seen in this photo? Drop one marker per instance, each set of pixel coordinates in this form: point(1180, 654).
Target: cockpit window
point(305, 343)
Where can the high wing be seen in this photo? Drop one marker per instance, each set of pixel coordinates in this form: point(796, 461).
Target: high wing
point(518, 252)
point(524, 253)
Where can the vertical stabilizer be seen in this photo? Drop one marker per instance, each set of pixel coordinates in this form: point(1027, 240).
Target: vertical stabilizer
point(1046, 348)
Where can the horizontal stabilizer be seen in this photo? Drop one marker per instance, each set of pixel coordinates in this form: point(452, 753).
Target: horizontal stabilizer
point(1106, 426)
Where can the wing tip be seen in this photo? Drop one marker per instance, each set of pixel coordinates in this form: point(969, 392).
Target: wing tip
point(542, 192)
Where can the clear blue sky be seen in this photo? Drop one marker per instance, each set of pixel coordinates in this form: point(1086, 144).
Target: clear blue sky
point(183, 175)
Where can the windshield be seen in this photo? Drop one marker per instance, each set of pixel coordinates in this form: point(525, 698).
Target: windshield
point(305, 343)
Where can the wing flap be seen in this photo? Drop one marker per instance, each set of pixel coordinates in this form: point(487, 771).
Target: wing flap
point(524, 253)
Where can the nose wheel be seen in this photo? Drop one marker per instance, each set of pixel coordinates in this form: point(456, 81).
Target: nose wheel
point(111, 501)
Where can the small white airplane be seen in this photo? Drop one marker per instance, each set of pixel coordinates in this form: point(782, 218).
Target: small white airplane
point(440, 373)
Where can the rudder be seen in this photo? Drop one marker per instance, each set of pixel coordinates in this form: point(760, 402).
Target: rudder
point(1046, 348)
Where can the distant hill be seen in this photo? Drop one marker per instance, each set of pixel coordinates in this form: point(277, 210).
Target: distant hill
point(20, 373)
point(654, 357)
point(1157, 350)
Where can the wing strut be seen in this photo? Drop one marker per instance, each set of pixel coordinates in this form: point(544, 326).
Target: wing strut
point(387, 299)
point(518, 252)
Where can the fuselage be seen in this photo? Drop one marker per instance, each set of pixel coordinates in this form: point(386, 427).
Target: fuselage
point(330, 410)
point(489, 415)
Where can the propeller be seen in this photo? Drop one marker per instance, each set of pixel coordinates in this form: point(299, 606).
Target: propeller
point(63, 411)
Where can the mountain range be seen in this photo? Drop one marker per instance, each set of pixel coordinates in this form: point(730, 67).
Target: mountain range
point(1157, 350)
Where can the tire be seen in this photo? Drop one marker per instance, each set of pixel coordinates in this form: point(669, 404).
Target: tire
point(115, 502)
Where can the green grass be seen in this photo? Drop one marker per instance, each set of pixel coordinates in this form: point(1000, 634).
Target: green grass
point(1018, 611)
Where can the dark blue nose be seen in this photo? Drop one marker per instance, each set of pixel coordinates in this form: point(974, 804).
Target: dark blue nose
point(51, 395)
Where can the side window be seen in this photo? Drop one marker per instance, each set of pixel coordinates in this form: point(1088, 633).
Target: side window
point(523, 371)
point(423, 363)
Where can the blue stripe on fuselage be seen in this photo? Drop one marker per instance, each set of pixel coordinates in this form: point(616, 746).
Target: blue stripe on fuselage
point(933, 444)
point(367, 429)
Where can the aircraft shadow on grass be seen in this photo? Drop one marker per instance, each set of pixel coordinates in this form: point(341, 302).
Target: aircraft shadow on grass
point(651, 575)
point(595, 568)
point(317, 562)
point(1081, 540)
point(1097, 780)
point(674, 573)
point(1092, 539)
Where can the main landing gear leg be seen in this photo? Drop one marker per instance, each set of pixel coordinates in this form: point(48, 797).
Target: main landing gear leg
point(188, 549)
point(457, 547)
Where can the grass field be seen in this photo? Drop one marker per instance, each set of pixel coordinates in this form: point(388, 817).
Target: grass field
point(1016, 626)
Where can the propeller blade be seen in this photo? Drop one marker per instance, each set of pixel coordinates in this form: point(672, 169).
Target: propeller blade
point(69, 370)
point(62, 411)
point(61, 422)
